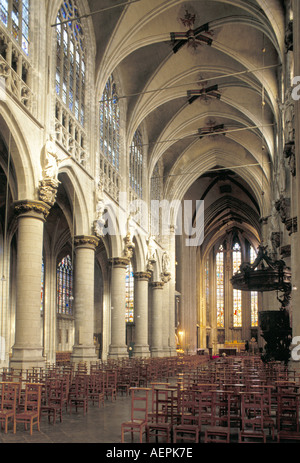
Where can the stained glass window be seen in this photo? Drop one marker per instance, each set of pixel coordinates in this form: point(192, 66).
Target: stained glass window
point(64, 286)
point(129, 283)
point(110, 124)
point(220, 287)
point(207, 292)
point(136, 164)
point(70, 61)
point(253, 295)
point(237, 294)
point(14, 14)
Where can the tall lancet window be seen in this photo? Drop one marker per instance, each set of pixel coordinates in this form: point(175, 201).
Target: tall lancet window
point(136, 164)
point(253, 295)
point(65, 286)
point(14, 15)
point(237, 294)
point(129, 284)
point(110, 124)
point(70, 61)
point(220, 286)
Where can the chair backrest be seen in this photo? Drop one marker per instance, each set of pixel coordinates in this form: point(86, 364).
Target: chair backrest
point(139, 403)
point(9, 395)
point(252, 409)
point(33, 394)
point(189, 407)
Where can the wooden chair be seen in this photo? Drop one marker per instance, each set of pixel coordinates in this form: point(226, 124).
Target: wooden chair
point(96, 388)
point(78, 393)
point(139, 413)
point(219, 432)
point(9, 397)
point(111, 384)
point(190, 426)
point(160, 422)
point(288, 416)
point(55, 399)
point(252, 410)
point(32, 405)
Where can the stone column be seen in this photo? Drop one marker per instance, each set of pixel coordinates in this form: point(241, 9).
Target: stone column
point(28, 349)
point(84, 348)
point(172, 291)
point(118, 348)
point(156, 315)
point(165, 309)
point(295, 302)
point(141, 347)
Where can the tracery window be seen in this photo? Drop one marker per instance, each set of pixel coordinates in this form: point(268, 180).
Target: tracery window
point(65, 286)
point(129, 305)
point(110, 124)
point(136, 164)
point(14, 15)
point(237, 294)
point(220, 286)
point(253, 295)
point(70, 60)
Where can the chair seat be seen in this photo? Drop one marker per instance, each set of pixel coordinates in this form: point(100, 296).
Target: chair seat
point(255, 435)
point(134, 423)
point(213, 432)
point(187, 429)
point(28, 414)
point(288, 435)
point(7, 412)
point(218, 430)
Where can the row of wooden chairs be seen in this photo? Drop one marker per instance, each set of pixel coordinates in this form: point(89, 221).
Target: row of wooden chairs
point(55, 389)
point(27, 412)
point(265, 399)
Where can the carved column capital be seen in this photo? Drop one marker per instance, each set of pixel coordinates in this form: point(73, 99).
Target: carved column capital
point(142, 276)
point(86, 241)
point(32, 208)
point(120, 262)
point(157, 284)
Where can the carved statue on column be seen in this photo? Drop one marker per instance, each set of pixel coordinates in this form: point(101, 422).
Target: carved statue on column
point(129, 245)
point(289, 154)
point(49, 183)
point(289, 134)
point(151, 258)
point(282, 206)
point(100, 209)
point(166, 274)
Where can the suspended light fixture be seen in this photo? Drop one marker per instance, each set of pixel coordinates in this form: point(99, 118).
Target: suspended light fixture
point(263, 275)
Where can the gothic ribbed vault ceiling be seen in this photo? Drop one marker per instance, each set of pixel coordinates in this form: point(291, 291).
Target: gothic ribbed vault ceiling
point(242, 61)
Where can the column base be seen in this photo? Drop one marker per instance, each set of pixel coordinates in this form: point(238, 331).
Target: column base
point(156, 352)
point(173, 352)
point(141, 351)
point(118, 352)
point(83, 354)
point(26, 358)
